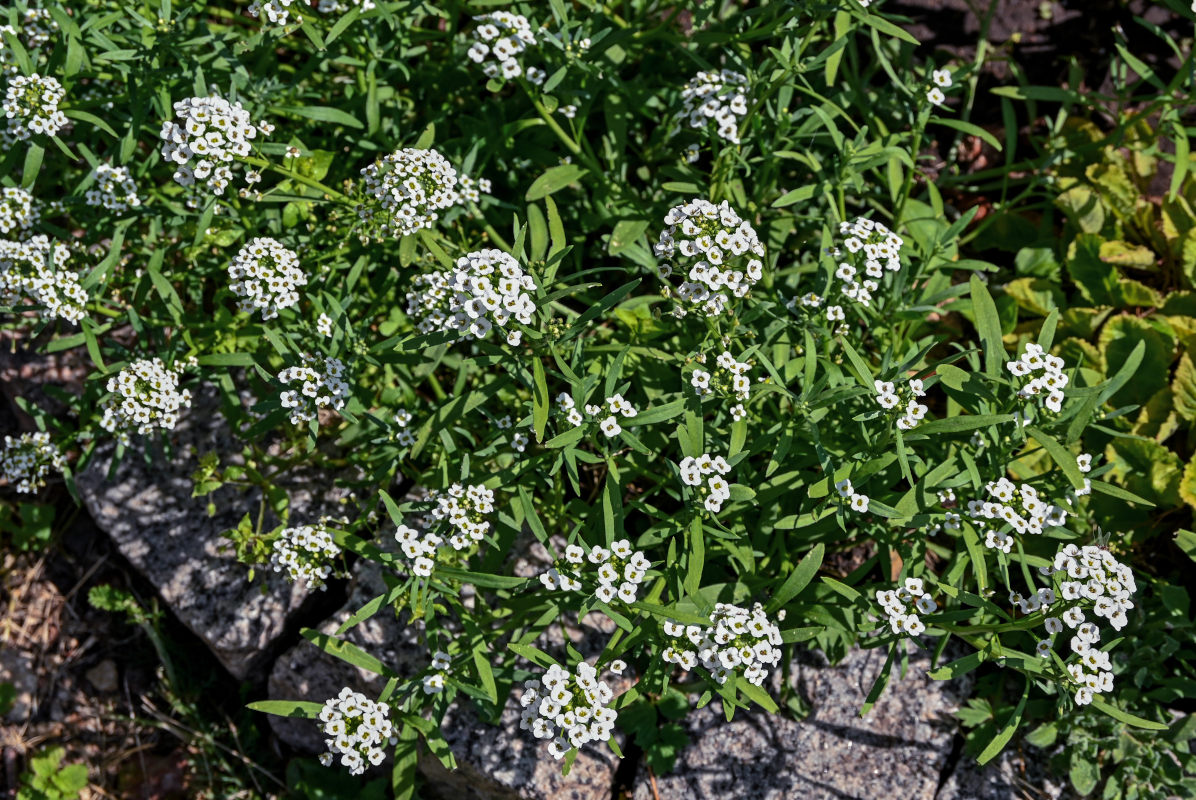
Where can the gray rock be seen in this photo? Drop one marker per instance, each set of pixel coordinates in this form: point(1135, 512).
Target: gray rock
point(147, 508)
point(900, 749)
point(1013, 773)
point(493, 762)
point(103, 676)
point(18, 668)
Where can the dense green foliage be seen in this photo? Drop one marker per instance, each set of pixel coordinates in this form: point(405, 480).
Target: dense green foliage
point(573, 168)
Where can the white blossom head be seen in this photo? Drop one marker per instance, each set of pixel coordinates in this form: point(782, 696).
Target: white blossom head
point(206, 139)
point(739, 640)
point(31, 106)
point(487, 290)
point(317, 383)
point(276, 11)
point(18, 212)
point(112, 188)
point(306, 553)
point(35, 272)
point(568, 709)
point(144, 397)
point(357, 729)
point(499, 42)
point(28, 459)
point(716, 98)
point(266, 277)
point(408, 190)
point(715, 252)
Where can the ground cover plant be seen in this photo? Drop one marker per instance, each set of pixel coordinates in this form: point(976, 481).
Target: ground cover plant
point(675, 294)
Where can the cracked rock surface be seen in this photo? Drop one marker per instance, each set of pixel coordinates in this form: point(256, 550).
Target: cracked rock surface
point(146, 506)
point(494, 762)
point(901, 748)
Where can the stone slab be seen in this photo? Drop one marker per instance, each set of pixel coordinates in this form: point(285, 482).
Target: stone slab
point(900, 749)
point(146, 507)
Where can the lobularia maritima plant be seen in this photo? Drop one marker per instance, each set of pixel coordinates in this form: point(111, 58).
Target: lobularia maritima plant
point(649, 372)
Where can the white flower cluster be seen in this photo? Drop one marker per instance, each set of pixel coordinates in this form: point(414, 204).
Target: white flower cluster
point(952, 521)
point(145, 395)
point(404, 436)
point(903, 605)
point(357, 728)
point(857, 500)
point(265, 275)
point(1017, 505)
point(1097, 580)
point(306, 553)
point(719, 96)
point(324, 325)
point(878, 248)
point(1048, 385)
point(276, 10)
point(335, 6)
point(210, 134)
point(1083, 464)
point(411, 187)
point(889, 397)
point(28, 459)
point(37, 27)
point(487, 288)
point(610, 410)
point(320, 388)
point(433, 682)
point(36, 270)
point(465, 509)
point(113, 188)
point(706, 473)
point(31, 106)
point(620, 571)
point(499, 38)
point(568, 708)
point(729, 380)
point(941, 78)
point(737, 639)
point(723, 248)
point(17, 212)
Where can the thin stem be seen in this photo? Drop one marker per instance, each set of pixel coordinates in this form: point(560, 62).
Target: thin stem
point(295, 176)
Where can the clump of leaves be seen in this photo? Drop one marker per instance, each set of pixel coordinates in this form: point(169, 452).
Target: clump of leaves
point(49, 779)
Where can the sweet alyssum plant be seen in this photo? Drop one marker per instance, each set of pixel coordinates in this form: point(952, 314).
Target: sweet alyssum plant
point(685, 361)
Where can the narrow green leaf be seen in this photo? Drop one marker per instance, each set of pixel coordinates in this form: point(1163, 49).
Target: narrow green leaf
point(988, 324)
point(347, 652)
point(998, 742)
point(801, 576)
point(1060, 454)
point(288, 708)
point(539, 399)
point(696, 560)
point(555, 179)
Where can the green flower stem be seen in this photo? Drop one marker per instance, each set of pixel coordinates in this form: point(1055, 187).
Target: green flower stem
point(919, 128)
point(295, 176)
point(553, 125)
